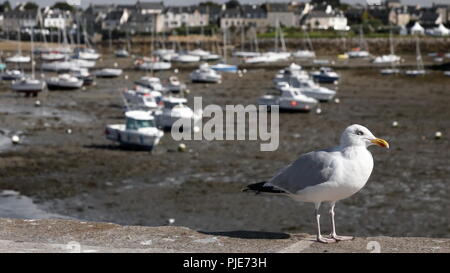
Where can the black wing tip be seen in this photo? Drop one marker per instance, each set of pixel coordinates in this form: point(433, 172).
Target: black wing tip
point(259, 187)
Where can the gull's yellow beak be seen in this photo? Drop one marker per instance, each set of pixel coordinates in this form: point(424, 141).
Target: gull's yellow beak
point(380, 142)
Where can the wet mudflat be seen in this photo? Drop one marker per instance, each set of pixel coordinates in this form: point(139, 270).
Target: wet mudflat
point(82, 175)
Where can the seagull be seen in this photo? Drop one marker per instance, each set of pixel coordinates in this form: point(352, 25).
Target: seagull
point(327, 175)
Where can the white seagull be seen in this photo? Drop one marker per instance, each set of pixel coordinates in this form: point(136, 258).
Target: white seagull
point(327, 175)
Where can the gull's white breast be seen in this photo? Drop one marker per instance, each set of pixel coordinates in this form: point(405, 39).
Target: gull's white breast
point(352, 169)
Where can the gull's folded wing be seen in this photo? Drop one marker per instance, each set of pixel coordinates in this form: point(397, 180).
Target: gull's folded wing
point(308, 170)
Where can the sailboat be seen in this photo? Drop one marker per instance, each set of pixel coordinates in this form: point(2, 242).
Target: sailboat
point(29, 85)
point(273, 56)
point(305, 53)
point(420, 68)
point(18, 57)
point(390, 58)
point(223, 66)
point(248, 54)
point(361, 51)
point(154, 63)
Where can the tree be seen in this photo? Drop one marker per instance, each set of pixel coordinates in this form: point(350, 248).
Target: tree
point(232, 4)
point(31, 6)
point(6, 6)
point(63, 6)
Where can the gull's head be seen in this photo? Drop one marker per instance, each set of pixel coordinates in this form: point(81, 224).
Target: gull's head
point(358, 135)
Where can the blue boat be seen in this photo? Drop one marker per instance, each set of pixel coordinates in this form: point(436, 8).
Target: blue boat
point(221, 67)
point(325, 75)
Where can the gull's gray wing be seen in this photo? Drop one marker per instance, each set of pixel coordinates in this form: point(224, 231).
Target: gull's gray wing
point(308, 170)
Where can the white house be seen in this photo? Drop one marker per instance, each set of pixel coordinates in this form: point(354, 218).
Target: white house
point(325, 19)
point(175, 17)
point(54, 18)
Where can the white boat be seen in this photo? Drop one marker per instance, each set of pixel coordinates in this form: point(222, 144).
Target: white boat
point(419, 71)
point(358, 53)
point(447, 73)
point(390, 71)
point(88, 54)
point(52, 56)
point(291, 73)
point(18, 59)
point(83, 74)
point(175, 85)
point(28, 86)
point(11, 75)
point(361, 51)
point(108, 73)
point(152, 83)
point(205, 74)
point(82, 63)
point(246, 54)
point(185, 58)
point(391, 58)
point(155, 65)
point(175, 109)
point(121, 53)
point(289, 100)
point(64, 82)
point(142, 98)
point(304, 54)
point(199, 52)
point(269, 57)
point(313, 90)
point(139, 130)
point(63, 66)
point(211, 57)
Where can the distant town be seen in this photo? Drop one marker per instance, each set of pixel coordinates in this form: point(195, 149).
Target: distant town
point(319, 17)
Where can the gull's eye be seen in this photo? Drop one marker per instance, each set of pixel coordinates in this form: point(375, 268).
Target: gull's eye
point(359, 133)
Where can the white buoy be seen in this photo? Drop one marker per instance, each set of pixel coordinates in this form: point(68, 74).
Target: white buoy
point(15, 139)
point(337, 100)
point(182, 147)
point(394, 124)
point(176, 71)
point(318, 111)
point(37, 103)
point(438, 135)
point(196, 129)
point(187, 91)
point(69, 131)
point(116, 64)
point(244, 70)
point(171, 221)
point(126, 77)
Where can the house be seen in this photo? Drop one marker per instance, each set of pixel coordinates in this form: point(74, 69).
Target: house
point(399, 16)
point(244, 16)
point(326, 19)
point(430, 18)
point(192, 16)
point(16, 19)
point(149, 7)
point(56, 18)
point(94, 16)
point(443, 11)
point(214, 12)
point(231, 17)
point(115, 19)
point(254, 16)
point(3, 8)
point(354, 15)
point(281, 13)
point(390, 4)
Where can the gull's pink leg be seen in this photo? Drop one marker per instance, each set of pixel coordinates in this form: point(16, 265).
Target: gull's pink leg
point(333, 233)
point(319, 236)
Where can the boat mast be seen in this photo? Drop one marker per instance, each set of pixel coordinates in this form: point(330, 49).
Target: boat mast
point(419, 55)
point(224, 45)
point(32, 52)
